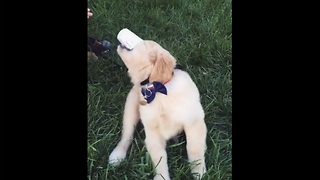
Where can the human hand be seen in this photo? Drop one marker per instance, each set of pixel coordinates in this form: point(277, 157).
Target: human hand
point(89, 13)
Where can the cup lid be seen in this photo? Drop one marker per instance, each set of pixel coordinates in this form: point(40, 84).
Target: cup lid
point(128, 39)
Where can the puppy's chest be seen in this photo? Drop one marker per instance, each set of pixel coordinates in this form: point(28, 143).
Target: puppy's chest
point(161, 119)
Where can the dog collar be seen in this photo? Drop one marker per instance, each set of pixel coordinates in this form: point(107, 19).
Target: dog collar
point(149, 90)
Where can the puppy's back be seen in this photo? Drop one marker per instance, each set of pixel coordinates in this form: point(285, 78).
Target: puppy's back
point(182, 85)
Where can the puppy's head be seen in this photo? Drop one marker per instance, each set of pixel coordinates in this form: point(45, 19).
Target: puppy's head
point(147, 60)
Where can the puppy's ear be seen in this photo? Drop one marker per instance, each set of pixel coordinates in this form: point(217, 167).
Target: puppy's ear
point(164, 64)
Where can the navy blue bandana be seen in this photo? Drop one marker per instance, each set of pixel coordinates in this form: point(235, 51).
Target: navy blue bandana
point(149, 90)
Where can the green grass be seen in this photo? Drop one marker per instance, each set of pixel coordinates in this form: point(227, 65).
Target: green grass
point(198, 33)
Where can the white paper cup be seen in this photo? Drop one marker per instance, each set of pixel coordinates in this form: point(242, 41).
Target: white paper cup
point(128, 39)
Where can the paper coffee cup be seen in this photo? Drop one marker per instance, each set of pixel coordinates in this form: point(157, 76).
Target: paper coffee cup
point(128, 38)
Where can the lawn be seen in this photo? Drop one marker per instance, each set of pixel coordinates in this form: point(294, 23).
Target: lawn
point(199, 35)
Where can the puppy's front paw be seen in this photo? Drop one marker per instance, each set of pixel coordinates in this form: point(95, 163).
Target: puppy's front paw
point(116, 156)
point(198, 172)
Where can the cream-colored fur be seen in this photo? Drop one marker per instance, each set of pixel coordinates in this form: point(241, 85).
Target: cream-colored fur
point(167, 115)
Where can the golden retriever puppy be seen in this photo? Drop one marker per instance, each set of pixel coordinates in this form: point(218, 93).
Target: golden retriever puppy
point(167, 102)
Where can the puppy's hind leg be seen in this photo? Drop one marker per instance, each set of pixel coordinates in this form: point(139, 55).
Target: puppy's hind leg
point(130, 119)
point(196, 147)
